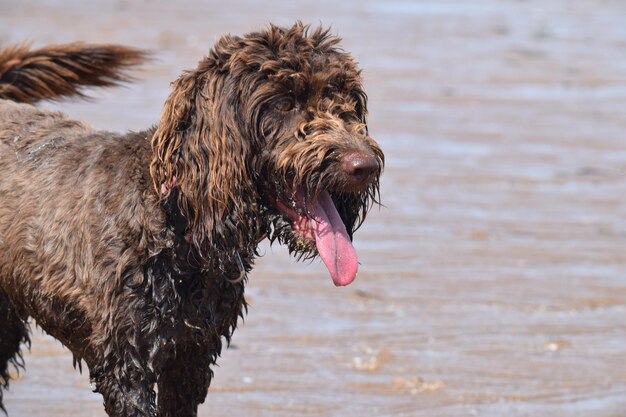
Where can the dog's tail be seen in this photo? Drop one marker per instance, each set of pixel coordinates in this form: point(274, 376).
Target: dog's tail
point(63, 70)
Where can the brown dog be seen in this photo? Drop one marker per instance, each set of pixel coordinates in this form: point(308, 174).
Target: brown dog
point(133, 250)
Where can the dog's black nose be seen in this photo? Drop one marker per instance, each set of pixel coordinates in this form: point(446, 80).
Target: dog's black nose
point(360, 166)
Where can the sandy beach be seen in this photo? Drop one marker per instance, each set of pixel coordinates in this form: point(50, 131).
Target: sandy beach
point(493, 278)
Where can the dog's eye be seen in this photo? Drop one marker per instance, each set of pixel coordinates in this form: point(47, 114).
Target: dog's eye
point(285, 104)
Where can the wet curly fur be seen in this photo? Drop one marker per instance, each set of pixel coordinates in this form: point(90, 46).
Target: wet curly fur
point(133, 250)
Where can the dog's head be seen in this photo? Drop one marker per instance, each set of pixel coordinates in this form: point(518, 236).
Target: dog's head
point(268, 137)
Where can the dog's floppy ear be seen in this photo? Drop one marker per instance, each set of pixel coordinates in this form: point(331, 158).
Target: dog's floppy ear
point(199, 150)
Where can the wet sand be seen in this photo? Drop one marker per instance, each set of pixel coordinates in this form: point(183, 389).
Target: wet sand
point(493, 280)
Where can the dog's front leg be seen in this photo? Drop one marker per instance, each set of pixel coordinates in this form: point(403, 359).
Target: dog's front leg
point(127, 391)
point(184, 382)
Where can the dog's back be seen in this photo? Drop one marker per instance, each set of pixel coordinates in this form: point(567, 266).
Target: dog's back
point(43, 154)
point(57, 172)
point(30, 138)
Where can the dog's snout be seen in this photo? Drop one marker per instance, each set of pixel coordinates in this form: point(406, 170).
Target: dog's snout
point(359, 166)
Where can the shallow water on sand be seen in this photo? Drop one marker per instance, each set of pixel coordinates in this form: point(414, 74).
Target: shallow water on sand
point(493, 280)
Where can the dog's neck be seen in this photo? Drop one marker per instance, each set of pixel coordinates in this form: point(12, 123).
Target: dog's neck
point(232, 267)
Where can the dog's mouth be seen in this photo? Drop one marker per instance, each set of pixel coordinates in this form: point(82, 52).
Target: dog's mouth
point(318, 221)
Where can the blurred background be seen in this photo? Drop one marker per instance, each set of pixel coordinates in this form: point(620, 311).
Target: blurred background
point(493, 279)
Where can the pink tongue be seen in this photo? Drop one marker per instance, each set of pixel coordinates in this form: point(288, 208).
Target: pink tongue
point(332, 241)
